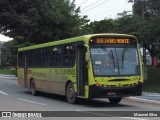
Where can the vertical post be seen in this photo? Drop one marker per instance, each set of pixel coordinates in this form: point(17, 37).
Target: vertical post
point(142, 8)
point(144, 49)
point(144, 55)
point(0, 53)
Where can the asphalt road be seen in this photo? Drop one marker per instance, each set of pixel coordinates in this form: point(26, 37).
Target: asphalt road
point(15, 98)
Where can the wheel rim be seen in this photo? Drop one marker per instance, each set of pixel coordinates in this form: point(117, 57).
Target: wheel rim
point(70, 93)
point(32, 88)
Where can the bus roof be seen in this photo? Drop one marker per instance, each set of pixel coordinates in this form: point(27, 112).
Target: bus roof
point(69, 40)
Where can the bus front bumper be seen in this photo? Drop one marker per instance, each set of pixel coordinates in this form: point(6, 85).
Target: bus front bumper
point(103, 92)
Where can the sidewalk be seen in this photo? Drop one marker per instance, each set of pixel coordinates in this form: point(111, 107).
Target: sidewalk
point(153, 98)
point(8, 76)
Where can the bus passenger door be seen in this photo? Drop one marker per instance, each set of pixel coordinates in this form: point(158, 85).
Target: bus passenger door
point(25, 71)
point(81, 69)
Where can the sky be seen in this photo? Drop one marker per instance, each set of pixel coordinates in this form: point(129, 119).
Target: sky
point(100, 9)
point(4, 38)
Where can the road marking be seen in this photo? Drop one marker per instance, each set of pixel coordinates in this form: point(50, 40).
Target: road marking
point(77, 110)
point(3, 93)
point(31, 101)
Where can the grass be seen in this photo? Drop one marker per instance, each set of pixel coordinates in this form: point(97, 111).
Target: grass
point(7, 72)
point(152, 84)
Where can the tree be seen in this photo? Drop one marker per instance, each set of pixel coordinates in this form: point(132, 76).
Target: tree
point(146, 8)
point(150, 30)
point(9, 52)
point(103, 26)
point(40, 21)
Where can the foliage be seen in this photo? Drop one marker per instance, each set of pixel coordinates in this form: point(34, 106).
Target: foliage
point(9, 53)
point(150, 31)
point(7, 72)
point(153, 82)
point(106, 25)
point(146, 8)
point(40, 21)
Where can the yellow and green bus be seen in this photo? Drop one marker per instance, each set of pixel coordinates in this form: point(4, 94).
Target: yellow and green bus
point(89, 66)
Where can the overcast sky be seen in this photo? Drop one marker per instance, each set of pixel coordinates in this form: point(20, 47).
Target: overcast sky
point(4, 38)
point(100, 9)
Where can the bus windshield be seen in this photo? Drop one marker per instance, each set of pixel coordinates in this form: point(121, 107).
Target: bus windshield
point(114, 60)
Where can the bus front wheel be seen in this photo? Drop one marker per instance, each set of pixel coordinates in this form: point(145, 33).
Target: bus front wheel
point(115, 100)
point(33, 88)
point(70, 93)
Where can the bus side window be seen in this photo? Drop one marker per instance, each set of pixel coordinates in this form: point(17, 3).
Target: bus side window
point(72, 55)
point(66, 55)
point(69, 55)
point(46, 57)
point(56, 55)
point(21, 59)
point(30, 58)
point(38, 57)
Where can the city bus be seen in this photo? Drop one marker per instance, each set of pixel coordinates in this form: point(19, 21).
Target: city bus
point(90, 66)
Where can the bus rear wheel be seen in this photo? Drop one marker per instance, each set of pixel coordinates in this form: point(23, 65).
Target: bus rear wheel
point(115, 100)
point(70, 93)
point(33, 88)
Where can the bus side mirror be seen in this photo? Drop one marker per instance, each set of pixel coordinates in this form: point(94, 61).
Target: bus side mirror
point(87, 57)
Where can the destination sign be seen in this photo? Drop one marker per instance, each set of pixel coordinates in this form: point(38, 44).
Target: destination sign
point(112, 40)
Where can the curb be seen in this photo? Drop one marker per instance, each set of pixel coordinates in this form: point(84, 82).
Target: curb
point(8, 76)
point(151, 94)
point(141, 100)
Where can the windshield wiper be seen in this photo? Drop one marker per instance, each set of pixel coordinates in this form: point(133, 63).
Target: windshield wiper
point(123, 54)
point(113, 59)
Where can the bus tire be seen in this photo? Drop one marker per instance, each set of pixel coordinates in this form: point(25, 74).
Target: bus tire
point(115, 100)
point(33, 88)
point(70, 93)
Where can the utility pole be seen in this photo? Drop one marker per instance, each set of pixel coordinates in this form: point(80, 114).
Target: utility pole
point(0, 53)
point(143, 43)
point(143, 15)
point(144, 49)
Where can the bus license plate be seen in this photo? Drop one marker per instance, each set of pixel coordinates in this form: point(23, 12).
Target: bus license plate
point(111, 93)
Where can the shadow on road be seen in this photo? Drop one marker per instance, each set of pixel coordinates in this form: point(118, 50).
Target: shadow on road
point(92, 103)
